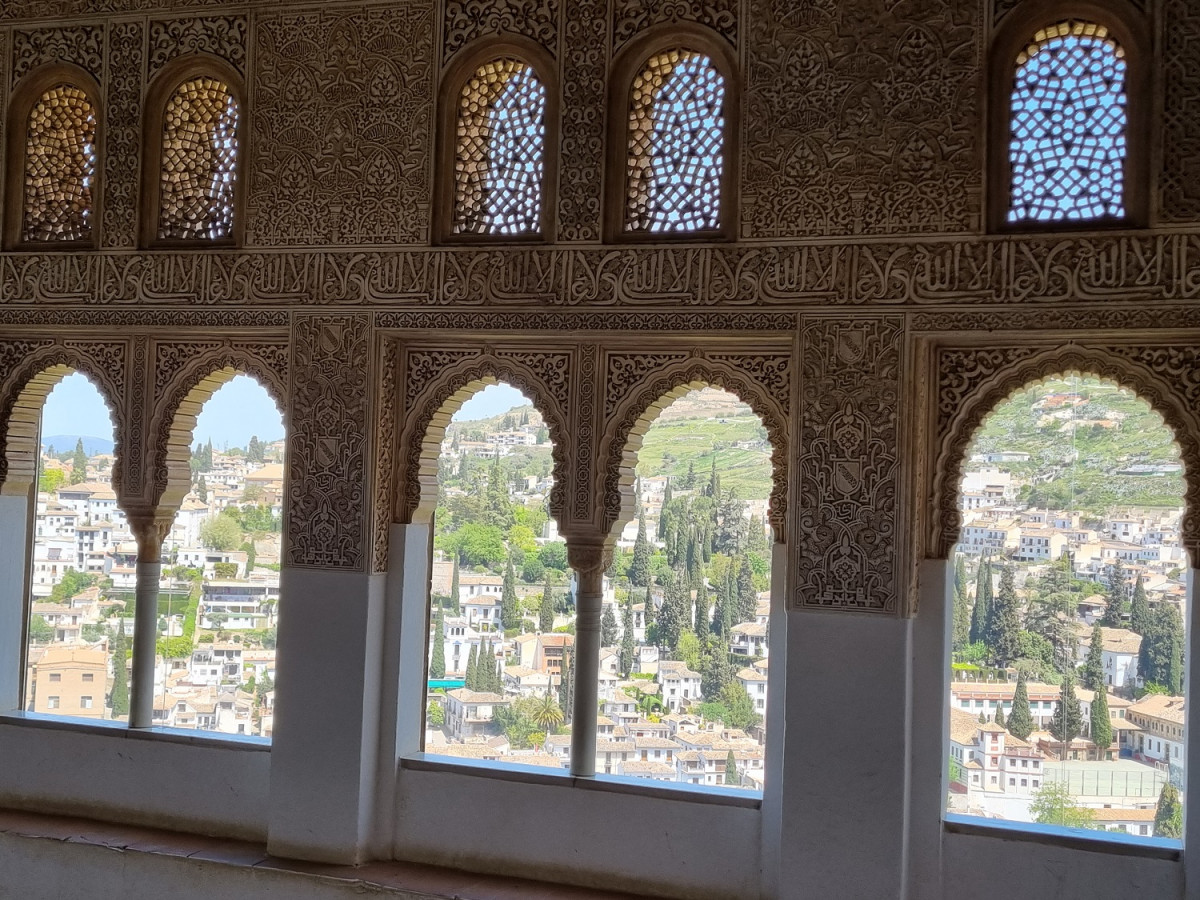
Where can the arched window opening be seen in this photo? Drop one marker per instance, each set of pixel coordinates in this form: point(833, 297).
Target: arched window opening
point(501, 618)
point(676, 144)
point(1069, 609)
point(80, 584)
point(219, 603)
point(60, 167)
point(499, 162)
point(685, 626)
point(1068, 126)
point(199, 161)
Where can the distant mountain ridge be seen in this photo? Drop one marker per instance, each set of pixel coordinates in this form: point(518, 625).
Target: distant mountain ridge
point(65, 443)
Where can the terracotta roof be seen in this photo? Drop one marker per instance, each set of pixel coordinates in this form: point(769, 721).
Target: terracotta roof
point(1123, 815)
point(1160, 706)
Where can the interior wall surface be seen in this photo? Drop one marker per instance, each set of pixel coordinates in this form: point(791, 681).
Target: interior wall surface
point(860, 307)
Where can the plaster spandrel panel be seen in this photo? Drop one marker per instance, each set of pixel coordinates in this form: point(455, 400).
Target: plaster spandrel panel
point(861, 121)
point(1179, 184)
point(340, 127)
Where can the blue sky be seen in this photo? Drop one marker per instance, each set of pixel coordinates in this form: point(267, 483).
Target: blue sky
point(491, 401)
point(240, 409)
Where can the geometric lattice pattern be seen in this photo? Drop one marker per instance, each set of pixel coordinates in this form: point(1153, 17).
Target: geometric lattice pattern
point(1068, 126)
point(499, 157)
point(199, 162)
point(60, 167)
point(676, 131)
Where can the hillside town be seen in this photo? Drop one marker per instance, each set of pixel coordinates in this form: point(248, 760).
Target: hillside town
point(1067, 675)
point(218, 596)
point(683, 666)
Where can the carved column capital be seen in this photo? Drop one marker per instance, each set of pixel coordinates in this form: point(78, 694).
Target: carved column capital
point(588, 555)
point(150, 528)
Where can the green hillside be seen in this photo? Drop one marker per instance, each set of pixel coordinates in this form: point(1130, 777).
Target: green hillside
point(1078, 447)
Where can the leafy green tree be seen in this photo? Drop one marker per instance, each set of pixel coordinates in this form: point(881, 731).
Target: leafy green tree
point(1093, 669)
point(510, 607)
point(675, 611)
point(119, 698)
point(1101, 725)
point(1053, 804)
point(731, 772)
point(436, 714)
point(220, 533)
point(608, 627)
point(639, 569)
point(50, 480)
point(254, 452)
point(1139, 608)
point(1161, 657)
point(962, 606)
point(717, 672)
point(981, 613)
point(1066, 723)
point(554, 556)
point(628, 646)
point(1168, 815)
point(1020, 720)
point(740, 706)
point(437, 662)
point(40, 630)
point(78, 463)
point(1005, 642)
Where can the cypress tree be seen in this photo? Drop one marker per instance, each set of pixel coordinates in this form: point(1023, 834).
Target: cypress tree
point(78, 463)
point(671, 616)
point(625, 659)
point(1117, 594)
point(202, 489)
point(962, 606)
point(718, 672)
point(1067, 722)
point(1168, 816)
point(546, 610)
point(731, 772)
point(608, 627)
point(1000, 714)
point(983, 601)
point(747, 597)
point(120, 687)
point(510, 609)
point(566, 687)
point(664, 516)
point(1139, 609)
point(649, 613)
point(1101, 726)
point(454, 589)
point(701, 619)
point(437, 664)
point(472, 681)
point(1161, 657)
point(1020, 720)
point(1093, 669)
point(714, 480)
point(1005, 637)
point(639, 569)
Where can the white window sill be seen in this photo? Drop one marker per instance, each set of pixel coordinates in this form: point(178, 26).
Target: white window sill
point(111, 729)
point(1093, 841)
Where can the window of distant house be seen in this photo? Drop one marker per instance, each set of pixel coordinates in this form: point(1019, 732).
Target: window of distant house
point(1068, 126)
point(198, 171)
point(676, 144)
point(60, 167)
point(500, 150)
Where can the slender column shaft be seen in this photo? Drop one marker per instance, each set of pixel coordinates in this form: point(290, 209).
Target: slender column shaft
point(586, 665)
point(145, 631)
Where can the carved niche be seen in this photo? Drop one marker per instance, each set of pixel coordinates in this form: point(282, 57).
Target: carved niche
point(861, 118)
point(971, 382)
point(433, 375)
point(340, 126)
point(180, 366)
point(849, 542)
point(329, 439)
point(222, 36)
point(104, 362)
point(636, 382)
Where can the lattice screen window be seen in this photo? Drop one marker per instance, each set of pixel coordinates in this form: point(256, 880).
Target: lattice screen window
point(500, 150)
point(199, 161)
point(60, 167)
point(1068, 126)
point(676, 129)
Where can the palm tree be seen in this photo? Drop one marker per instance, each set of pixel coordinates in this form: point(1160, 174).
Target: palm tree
point(547, 714)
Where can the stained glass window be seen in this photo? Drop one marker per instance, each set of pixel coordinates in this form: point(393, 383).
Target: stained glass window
point(60, 166)
point(676, 130)
point(199, 161)
point(1068, 126)
point(500, 148)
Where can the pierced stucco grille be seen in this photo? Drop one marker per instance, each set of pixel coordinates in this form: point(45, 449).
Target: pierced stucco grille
point(1068, 126)
point(675, 144)
point(199, 161)
point(500, 152)
point(60, 167)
